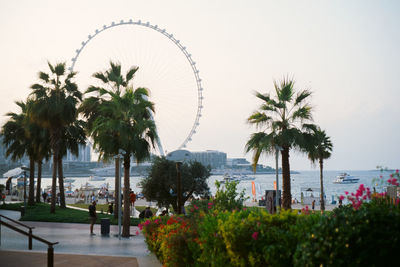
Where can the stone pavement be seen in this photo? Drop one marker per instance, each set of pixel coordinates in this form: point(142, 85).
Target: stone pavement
point(74, 240)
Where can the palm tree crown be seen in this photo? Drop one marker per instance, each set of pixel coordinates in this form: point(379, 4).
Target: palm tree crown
point(282, 120)
point(319, 148)
point(55, 108)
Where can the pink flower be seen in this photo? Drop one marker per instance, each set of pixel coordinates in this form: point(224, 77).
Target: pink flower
point(341, 197)
point(346, 192)
point(137, 232)
point(195, 207)
point(140, 226)
point(244, 208)
point(147, 222)
point(255, 235)
point(397, 171)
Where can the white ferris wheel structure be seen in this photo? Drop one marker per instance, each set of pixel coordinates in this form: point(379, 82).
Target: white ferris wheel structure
point(195, 72)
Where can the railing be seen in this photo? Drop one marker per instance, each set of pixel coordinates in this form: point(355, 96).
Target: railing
point(50, 249)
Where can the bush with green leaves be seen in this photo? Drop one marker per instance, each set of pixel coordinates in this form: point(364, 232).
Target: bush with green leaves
point(366, 236)
point(226, 197)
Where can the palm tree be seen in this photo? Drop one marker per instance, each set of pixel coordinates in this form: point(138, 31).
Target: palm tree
point(115, 82)
point(74, 135)
point(21, 136)
point(55, 107)
point(131, 116)
point(320, 148)
point(283, 121)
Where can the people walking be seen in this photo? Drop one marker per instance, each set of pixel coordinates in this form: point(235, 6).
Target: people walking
point(92, 216)
point(132, 200)
point(313, 204)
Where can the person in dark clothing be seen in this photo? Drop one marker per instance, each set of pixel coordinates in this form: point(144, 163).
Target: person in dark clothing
point(92, 216)
point(110, 208)
point(44, 195)
point(146, 213)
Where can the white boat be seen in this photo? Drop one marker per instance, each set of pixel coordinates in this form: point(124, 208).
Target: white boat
point(345, 178)
point(229, 178)
point(244, 177)
point(68, 180)
point(96, 178)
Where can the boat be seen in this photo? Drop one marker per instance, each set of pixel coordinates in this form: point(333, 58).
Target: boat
point(229, 178)
point(244, 177)
point(345, 178)
point(96, 178)
point(68, 180)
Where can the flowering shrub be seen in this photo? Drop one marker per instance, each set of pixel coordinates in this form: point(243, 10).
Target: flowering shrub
point(172, 239)
point(367, 232)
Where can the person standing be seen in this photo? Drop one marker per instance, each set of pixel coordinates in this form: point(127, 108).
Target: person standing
point(132, 200)
point(92, 216)
point(313, 204)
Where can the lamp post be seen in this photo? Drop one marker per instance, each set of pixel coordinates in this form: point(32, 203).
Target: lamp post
point(120, 156)
point(24, 169)
point(278, 195)
point(179, 186)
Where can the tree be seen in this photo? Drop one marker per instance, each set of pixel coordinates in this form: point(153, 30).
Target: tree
point(55, 107)
point(21, 136)
point(161, 183)
point(319, 148)
point(108, 146)
point(129, 115)
point(283, 120)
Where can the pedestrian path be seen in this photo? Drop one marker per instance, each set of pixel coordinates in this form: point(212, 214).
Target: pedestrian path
point(74, 239)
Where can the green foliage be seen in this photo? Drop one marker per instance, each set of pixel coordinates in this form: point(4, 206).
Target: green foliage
point(161, 183)
point(367, 236)
point(40, 213)
point(226, 198)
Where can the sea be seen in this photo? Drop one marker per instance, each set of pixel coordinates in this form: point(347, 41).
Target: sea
point(262, 182)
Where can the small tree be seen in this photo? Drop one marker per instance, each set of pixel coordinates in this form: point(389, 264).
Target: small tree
point(227, 198)
point(161, 183)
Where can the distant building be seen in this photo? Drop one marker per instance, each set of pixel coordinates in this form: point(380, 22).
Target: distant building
point(212, 158)
point(179, 155)
point(84, 154)
point(237, 161)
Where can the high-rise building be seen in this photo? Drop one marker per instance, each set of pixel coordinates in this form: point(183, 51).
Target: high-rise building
point(84, 154)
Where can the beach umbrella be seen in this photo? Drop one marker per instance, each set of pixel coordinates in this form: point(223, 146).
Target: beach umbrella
point(13, 172)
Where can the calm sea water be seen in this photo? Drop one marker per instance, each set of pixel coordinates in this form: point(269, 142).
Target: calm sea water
point(263, 182)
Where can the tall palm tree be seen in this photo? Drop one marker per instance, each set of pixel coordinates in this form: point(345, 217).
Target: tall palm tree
point(23, 137)
point(113, 82)
point(282, 120)
point(130, 115)
point(319, 148)
point(74, 135)
point(55, 107)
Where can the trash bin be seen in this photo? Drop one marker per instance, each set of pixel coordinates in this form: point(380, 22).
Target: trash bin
point(105, 226)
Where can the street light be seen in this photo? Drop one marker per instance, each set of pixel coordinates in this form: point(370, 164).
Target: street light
point(120, 156)
point(24, 168)
point(278, 195)
point(179, 186)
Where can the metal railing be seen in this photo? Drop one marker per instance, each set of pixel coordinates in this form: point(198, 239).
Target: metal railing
point(50, 249)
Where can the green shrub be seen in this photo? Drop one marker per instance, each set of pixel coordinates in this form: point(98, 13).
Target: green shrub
point(366, 236)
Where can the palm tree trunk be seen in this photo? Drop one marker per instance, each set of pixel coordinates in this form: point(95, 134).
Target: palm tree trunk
point(39, 182)
point(61, 182)
point(321, 167)
point(127, 217)
point(116, 191)
point(31, 198)
point(286, 194)
point(54, 184)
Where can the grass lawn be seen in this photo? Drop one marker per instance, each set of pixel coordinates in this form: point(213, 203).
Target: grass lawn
point(104, 207)
point(40, 212)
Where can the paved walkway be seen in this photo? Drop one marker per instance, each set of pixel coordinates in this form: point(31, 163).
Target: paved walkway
point(74, 241)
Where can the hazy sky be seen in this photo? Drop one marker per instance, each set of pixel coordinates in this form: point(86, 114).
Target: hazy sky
point(346, 52)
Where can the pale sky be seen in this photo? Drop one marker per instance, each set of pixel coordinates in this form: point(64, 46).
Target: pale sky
point(346, 52)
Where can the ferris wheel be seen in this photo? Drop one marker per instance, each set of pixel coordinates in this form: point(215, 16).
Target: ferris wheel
point(165, 67)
